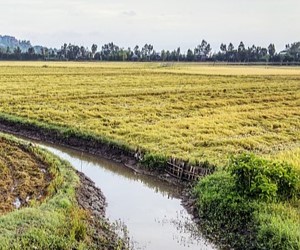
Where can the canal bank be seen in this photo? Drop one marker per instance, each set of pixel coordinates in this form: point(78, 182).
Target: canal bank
point(150, 208)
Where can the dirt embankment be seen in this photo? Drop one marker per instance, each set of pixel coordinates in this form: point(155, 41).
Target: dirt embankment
point(102, 149)
point(91, 199)
point(52, 136)
point(190, 204)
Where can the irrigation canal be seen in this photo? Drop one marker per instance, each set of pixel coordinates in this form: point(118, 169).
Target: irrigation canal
point(151, 209)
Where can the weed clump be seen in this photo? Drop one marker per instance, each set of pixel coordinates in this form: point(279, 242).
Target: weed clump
point(252, 204)
point(258, 178)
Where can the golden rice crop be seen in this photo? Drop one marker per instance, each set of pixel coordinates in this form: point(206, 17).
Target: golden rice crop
point(189, 111)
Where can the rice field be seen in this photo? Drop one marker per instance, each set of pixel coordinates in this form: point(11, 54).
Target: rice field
point(190, 111)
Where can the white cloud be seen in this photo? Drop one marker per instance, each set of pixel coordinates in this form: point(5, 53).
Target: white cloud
point(129, 13)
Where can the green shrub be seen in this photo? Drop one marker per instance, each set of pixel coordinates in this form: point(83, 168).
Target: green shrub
point(154, 162)
point(262, 179)
point(225, 215)
point(251, 205)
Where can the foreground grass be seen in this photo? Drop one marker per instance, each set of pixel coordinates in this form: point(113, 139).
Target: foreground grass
point(57, 222)
point(263, 215)
point(187, 111)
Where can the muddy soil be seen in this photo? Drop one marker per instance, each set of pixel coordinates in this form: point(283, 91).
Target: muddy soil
point(91, 199)
point(88, 196)
point(23, 177)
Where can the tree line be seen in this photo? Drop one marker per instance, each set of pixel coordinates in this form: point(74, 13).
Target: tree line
point(112, 52)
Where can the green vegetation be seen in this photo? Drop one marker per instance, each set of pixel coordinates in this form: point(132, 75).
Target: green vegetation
point(261, 179)
point(252, 205)
point(57, 222)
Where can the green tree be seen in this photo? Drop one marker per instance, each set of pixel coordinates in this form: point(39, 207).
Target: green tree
point(65, 50)
point(18, 53)
point(137, 51)
point(241, 52)
point(31, 51)
point(294, 51)
point(83, 52)
point(94, 49)
point(271, 50)
point(178, 54)
point(201, 52)
point(122, 55)
point(230, 52)
point(189, 55)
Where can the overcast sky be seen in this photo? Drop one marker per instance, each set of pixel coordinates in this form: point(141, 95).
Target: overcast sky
point(163, 23)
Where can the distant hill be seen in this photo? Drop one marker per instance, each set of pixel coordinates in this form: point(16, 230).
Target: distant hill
point(12, 42)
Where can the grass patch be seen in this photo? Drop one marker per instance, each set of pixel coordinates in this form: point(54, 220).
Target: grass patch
point(248, 207)
point(57, 222)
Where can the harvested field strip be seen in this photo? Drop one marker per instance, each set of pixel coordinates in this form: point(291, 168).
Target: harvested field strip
point(23, 177)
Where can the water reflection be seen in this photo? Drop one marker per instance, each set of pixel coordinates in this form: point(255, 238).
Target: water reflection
point(149, 207)
point(85, 160)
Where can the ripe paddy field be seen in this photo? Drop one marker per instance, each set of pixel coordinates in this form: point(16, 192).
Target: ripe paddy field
point(189, 111)
point(193, 112)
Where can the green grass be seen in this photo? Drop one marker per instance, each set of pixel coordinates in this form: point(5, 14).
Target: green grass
point(240, 220)
point(57, 222)
point(279, 226)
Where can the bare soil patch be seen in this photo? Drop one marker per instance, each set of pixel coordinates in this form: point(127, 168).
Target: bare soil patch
point(23, 177)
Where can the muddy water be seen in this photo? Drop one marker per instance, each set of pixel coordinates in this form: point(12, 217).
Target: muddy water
point(150, 208)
